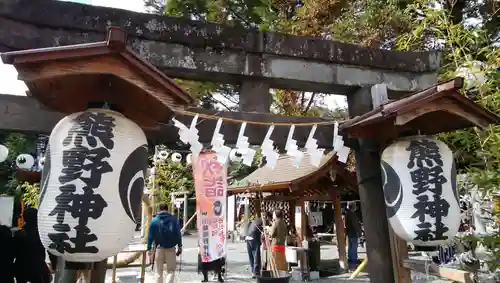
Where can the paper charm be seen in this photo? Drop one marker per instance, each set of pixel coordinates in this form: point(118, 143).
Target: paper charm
point(315, 154)
point(343, 154)
point(338, 146)
point(292, 149)
point(189, 135)
point(242, 145)
point(335, 132)
point(268, 149)
point(218, 144)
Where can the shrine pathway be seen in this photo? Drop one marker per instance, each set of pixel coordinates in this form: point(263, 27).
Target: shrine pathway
point(237, 266)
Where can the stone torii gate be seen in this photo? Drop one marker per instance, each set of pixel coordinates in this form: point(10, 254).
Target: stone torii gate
point(255, 61)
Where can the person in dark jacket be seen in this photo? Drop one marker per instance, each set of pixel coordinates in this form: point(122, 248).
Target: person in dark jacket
point(254, 241)
point(165, 235)
point(30, 263)
point(353, 231)
point(6, 255)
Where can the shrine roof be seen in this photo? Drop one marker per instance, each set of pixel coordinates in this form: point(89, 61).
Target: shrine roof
point(286, 176)
point(440, 108)
point(67, 78)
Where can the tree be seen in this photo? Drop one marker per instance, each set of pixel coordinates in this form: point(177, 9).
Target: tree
point(171, 177)
point(17, 144)
point(477, 152)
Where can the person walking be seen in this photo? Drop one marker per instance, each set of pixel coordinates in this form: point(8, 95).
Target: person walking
point(353, 231)
point(30, 263)
point(164, 235)
point(279, 232)
point(254, 241)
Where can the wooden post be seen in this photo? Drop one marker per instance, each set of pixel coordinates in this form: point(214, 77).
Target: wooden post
point(378, 245)
point(399, 251)
point(339, 231)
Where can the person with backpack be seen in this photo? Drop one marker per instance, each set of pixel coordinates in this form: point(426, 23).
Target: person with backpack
point(164, 235)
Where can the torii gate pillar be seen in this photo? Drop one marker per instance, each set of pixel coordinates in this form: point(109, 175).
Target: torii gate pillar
point(378, 245)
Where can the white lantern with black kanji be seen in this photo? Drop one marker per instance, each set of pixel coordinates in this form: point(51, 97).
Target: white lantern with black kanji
point(92, 185)
point(420, 190)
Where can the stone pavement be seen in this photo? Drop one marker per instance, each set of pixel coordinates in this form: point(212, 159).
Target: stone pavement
point(237, 266)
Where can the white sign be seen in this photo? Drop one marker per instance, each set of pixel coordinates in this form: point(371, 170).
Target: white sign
point(6, 210)
point(298, 218)
point(315, 218)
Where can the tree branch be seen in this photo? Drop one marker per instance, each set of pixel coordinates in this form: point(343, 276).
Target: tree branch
point(309, 104)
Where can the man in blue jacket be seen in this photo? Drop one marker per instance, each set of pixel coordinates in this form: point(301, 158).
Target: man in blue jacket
point(164, 234)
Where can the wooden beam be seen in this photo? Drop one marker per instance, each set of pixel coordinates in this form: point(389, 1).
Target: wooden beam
point(339, 231)
point(25, 114)
point(442, 272)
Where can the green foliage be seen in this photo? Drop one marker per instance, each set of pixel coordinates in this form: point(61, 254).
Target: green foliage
point(17, 143)
point(238, 170)
point(477, 150)
point(30, 193)
point(172, 177)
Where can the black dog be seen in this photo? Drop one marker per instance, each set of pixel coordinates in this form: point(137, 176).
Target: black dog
point(217, 266)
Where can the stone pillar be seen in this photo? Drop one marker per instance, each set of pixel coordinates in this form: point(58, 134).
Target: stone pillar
point(378, 244)
point(254, 96)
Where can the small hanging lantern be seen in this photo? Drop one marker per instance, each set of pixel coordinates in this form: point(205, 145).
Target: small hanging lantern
point(176, 157)
point(420, 190)
point(92, 185)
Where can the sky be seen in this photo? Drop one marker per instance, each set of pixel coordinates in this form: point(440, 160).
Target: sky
point(10, 84)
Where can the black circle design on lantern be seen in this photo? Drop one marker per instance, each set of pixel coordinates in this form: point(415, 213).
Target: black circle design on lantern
point(131, 183)
point(217, 206)
point(44, 181)
point(454, 181)
point(393, 189)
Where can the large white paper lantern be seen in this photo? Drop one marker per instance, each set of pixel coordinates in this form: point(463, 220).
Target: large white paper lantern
point(92, 185)
point(420, 190)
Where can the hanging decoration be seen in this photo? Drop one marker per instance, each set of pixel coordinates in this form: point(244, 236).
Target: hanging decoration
point(292, 149)
point(242, 145)
point(234, 155)
point(338, 145)
point(41, 162)
point(4, 153)
point(190, 135)
point(420, 190)
point(218, 146)
point(315, 154)
point(268, 151)
point(92, 185)
point(245, 154)
point(25, 161)
point(176, 157)
point(189, 159)
point(162, 155)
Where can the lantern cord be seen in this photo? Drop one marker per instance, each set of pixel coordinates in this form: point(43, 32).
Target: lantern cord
point(238, 121)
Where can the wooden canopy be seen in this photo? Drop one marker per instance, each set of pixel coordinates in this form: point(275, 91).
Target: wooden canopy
point(438, 109)
point(286, 179)
point(70, 78)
